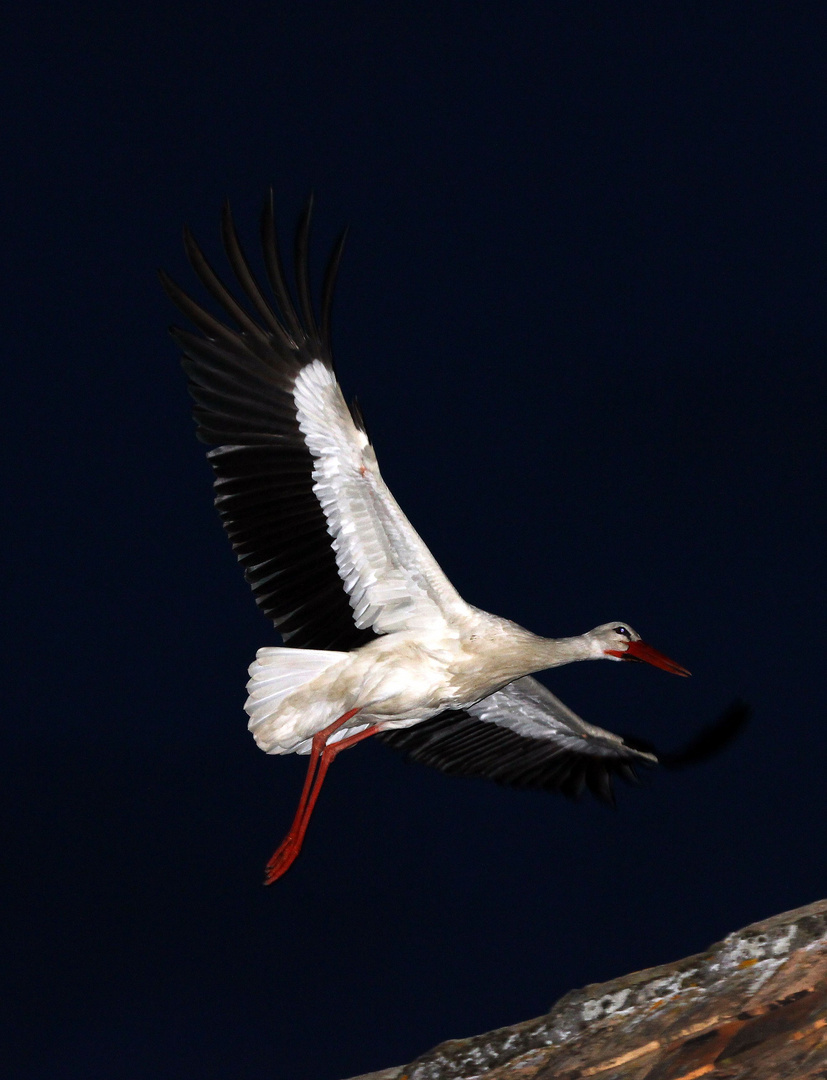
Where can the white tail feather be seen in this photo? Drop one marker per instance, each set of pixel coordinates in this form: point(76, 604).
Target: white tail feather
point(275, 674)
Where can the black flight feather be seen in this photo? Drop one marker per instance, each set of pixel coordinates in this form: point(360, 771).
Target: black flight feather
point(242, 382)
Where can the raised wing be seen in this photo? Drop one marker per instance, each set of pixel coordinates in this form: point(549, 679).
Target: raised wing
point(330, 556)
point(526, 737)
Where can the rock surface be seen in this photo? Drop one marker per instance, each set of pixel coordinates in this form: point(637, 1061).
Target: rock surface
point(752, 1007)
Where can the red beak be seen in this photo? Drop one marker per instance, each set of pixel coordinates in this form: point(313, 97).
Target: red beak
point(639, 650)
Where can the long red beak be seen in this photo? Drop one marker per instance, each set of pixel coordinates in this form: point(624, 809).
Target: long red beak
point(639, 650)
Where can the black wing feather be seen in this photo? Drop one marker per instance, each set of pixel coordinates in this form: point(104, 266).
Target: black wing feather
point(219, 291)
point(275, 272)
point(461, 744)
point(328, 288)
point(457, 743)
point(707, 743)
point(246, 277)
point(241, 380)
point(301, 249)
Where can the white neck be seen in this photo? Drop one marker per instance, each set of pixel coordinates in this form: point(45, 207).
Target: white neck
point(554, 652)
point(522, 652)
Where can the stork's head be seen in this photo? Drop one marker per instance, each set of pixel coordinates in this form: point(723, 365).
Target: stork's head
point(618, 641)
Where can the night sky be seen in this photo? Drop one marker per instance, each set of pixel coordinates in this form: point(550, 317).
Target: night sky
point(583, 307)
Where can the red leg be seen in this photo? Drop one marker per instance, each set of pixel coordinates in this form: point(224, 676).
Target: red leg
point(288, 849)
point(321, 755)
point(316, 751)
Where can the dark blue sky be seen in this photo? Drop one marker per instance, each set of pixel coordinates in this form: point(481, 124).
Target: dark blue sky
point(583, 306)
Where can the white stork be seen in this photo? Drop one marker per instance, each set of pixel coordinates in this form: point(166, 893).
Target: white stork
point(376, 639)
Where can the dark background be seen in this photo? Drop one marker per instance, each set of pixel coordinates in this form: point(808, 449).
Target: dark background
point(583, 305)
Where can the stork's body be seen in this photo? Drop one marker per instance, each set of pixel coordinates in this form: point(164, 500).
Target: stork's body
point(377, 640)
point(402, 678)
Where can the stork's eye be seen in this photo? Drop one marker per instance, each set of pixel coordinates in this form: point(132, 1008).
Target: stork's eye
point(623, 630)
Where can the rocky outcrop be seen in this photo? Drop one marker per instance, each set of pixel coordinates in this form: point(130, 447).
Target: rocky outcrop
point(752, 1007)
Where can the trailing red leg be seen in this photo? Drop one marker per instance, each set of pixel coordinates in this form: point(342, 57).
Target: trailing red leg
point(321, 756)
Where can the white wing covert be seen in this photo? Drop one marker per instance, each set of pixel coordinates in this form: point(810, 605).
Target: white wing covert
point(393, 581)
point(528, 708)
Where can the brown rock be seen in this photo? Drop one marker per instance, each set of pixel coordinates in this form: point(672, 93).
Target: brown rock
point(752, 1007)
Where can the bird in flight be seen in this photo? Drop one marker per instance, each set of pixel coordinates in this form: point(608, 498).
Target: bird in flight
point(376, 639)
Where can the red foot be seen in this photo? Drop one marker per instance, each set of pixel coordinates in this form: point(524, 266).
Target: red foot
point(321, 756)
point(282, 859)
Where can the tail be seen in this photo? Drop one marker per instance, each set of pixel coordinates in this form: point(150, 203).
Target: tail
point(275, 674)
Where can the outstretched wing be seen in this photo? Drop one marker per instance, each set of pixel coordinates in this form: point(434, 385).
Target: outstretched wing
point(526, 737)
point(330, 556)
